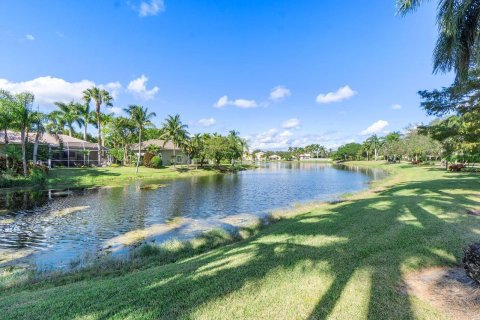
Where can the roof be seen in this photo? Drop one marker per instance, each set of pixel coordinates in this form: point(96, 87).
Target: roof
point(162, 144)
point(50, 139)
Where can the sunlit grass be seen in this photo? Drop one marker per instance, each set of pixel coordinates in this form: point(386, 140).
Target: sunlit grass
point(332, 261)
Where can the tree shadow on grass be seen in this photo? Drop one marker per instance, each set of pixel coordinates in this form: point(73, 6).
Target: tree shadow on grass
point(405, 227)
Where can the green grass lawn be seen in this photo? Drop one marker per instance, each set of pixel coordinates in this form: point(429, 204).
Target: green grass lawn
point(338, 261)
point(111, 176)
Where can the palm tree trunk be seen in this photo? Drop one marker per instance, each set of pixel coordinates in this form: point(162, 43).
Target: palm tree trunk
point(99, 135)
point(139, 148)
point(376, 155)
point(85, 130)
point(174, 157)
point(24, 152)
point(5, 132)
point(35, 148)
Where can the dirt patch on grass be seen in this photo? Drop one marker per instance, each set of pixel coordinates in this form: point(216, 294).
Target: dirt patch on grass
point(448, 289)
point(473, 212)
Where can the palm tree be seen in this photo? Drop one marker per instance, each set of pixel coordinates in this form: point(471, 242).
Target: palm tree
point(142, 118)
point(87, 117)
point(174, 130)
point(22, 120)
point(38, 126)
point(375, 143)
point(69, 114)
point(6, 100)
point(100, 97)
point(458, 23)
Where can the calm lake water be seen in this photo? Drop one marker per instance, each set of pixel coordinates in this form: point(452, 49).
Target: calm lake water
point(50, 229)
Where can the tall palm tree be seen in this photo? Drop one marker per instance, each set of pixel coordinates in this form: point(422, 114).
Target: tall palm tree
point(100, 97)
point(69, 113)
point(458, 45)
point(174, 130)
point(142, 118)
point(87, 117)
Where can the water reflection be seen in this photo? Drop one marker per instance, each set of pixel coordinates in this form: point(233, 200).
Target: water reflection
point(58, 226)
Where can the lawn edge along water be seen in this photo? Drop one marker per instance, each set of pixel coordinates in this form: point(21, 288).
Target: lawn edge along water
point(145, 254)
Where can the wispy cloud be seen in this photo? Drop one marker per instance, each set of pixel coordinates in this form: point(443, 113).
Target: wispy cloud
point(291, 123)
point(376, 127)
point(138, 88)
point(151, 8)
point(341, 94)
point(239, 103)
point(206, 122)
point(396, 107)
point(29, 37)
point(279, 93)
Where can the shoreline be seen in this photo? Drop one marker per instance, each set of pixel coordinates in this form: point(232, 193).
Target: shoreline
point(127, 250)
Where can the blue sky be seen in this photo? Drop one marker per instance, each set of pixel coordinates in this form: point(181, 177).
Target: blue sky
point(283, 73)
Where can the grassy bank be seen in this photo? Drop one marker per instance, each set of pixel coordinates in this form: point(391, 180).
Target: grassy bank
point(344, 260)
point(111, 176)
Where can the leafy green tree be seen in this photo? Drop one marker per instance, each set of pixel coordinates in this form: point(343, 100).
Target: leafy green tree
point(235, 146)
point(6, 118)
point(68, 114)
point(457, 45)
point(174, 130)
point(142, 118)
point(99, 96)
point(22, 120)
point(217, 148)
point(374, 143)
point(349, 151)
point(121, 135)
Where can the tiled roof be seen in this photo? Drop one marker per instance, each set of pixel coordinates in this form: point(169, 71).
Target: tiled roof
point(162, 144)
point(53, 140)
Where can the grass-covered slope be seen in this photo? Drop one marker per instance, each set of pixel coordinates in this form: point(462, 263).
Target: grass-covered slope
point(341, 261)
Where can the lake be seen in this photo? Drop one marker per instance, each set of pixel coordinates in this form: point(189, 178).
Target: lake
point(51, 228)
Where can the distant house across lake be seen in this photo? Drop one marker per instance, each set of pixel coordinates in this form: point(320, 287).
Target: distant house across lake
point(56, 150)
point(166, 151)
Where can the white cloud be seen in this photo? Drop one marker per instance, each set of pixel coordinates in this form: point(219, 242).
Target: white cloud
point(275, 139)
point(139, 89)
point(375, 127)
point(342, 93)
point(207, 122)
point(278, 93)
point(151, 8)
point(113, 87)
point(29, 37)
point(291, 123)
point(116, 110)
point(48, 90)
point(240, 103)
point(396, 107)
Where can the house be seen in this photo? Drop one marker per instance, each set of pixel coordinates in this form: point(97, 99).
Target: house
point(59, 149)
point(260, 156)
point(304, 156)
point(274, 157)
point(166, 151)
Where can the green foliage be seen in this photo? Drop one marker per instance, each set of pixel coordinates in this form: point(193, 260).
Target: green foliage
point(156, 162)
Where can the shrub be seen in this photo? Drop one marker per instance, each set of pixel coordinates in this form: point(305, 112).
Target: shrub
point(456, 167)
point(471, 261)
point(114, 165)
point(156, 162)
point(147, 158)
